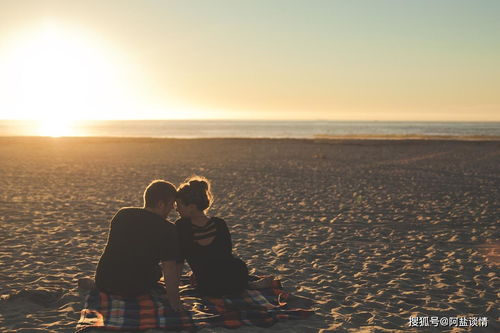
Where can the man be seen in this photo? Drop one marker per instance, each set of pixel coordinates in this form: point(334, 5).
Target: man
point(139, 239)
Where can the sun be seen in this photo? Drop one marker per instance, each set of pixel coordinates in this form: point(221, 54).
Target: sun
point(58, 75)
point(55, 128)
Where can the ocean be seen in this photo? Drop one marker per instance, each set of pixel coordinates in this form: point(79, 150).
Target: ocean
point(248, 129)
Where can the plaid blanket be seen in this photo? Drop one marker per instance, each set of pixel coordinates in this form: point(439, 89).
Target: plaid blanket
point(262, 307)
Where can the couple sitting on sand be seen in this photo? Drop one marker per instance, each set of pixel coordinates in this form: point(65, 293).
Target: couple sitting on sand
point(142, 246)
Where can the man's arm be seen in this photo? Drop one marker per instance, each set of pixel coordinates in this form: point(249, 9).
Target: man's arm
point(171, 277)
point(180, 267)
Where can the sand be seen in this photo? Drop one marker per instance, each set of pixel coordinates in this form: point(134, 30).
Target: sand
point(373, 231)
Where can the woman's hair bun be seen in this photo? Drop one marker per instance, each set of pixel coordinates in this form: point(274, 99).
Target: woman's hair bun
point(199, 184)
point(196, 190)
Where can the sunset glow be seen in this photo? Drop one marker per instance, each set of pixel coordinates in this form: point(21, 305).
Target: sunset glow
point(326, 60)
point(57, 76)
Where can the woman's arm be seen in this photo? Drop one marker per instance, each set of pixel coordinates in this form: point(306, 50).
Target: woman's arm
point(225, 236)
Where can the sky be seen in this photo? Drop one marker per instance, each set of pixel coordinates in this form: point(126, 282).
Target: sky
point(384, 60)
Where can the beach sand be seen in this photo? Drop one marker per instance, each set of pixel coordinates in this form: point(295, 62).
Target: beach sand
point(373, 231)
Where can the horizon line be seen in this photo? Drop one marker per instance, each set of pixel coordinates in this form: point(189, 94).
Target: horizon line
point(270, 120)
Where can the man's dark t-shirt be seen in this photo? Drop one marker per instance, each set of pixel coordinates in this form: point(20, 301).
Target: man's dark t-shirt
point(138, 240)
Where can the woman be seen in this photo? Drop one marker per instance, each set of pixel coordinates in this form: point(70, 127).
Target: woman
point(206, 242)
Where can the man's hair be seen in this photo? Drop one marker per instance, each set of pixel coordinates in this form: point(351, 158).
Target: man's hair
point(159, 191)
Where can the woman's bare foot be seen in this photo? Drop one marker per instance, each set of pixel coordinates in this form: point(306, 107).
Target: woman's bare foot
point(265, 282)
point(86, 283)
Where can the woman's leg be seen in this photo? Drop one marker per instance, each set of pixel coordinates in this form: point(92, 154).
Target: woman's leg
point(225, 278)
